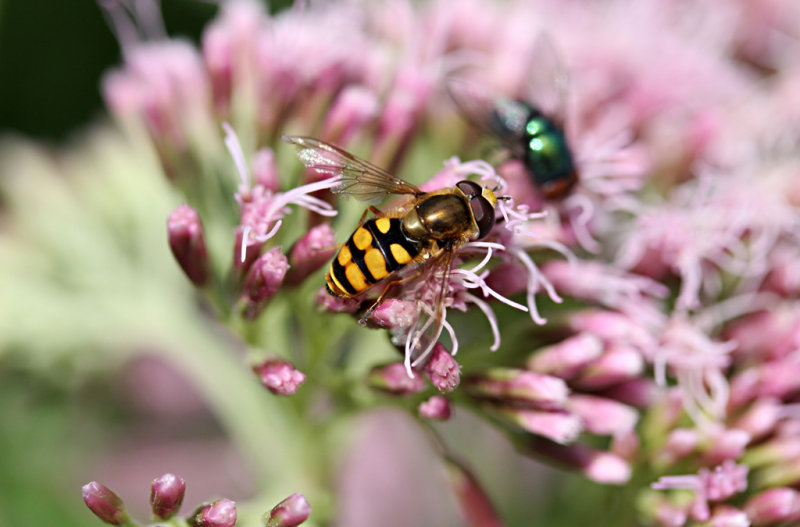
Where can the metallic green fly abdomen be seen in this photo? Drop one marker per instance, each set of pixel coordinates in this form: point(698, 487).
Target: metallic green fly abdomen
point(547, 156)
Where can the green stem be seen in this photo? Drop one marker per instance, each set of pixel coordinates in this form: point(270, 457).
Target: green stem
point(258, 422)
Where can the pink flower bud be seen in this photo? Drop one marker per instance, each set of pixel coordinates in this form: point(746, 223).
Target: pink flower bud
point(279, 376)
point(166, 495)
point(265, 170)
point(519, 386)
point(613, 328)
point(616, 365)
point(760, 419)
point(473, 501)
point(335, 304)
point(349, 113)
point(394, 379)
point(104, 503)
point(597, 465)
point(442, 369)
point(568, 357)
point(394, 313)
point(743, 388)
point(437, 408)
point(398, 121)
point(669, 515)
point(607, 468)
point(221, 513)
point(186, 240)
point(560, 427)
point(680, 443)
point(292, 511)
point(228, 49)
point(723, 444)
point(774, 506)
point(265, 278)
point(603, 416)
point(311, 252)
point(727, 516)
point(640, 393)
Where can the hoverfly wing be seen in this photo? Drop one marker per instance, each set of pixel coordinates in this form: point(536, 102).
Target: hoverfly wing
point(359, 178)
point(426, 331)
point(547, 85)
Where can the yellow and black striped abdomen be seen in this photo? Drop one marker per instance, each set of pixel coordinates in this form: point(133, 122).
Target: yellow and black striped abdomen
point(378, 248)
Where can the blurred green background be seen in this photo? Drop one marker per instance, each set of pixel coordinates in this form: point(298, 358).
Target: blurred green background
point(53, 54)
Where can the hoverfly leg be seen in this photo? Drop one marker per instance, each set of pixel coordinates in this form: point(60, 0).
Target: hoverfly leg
point(377, 212)
point(368, 313)
point(328, 248)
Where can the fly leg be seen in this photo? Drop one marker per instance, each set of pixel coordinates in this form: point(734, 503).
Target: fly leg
point(393, 283)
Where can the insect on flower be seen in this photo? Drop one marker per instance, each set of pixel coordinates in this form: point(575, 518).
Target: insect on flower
point(426, 230)
point(532, 132)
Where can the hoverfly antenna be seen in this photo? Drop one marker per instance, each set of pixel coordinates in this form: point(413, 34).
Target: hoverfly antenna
point(504, 198)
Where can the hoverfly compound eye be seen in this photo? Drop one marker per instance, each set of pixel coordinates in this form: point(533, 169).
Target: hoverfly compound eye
point(470, 188)
point(484, 215)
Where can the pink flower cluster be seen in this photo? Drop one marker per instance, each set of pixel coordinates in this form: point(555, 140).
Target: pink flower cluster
point(674, 255)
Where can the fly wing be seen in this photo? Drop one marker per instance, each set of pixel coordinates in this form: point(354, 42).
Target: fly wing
point(547, 86)
point(501, 117)
point(426, 332)
point(359, 178)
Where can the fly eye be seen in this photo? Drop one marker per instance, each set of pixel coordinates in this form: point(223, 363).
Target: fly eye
point(484, 215)
point(470, 188)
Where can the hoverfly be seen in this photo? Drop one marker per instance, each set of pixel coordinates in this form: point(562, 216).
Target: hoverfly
point(531, 132)
point(426, 230)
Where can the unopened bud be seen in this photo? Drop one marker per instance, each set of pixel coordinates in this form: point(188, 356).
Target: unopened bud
point(265, 278)
point(187, 242)
point(265, 170)
point(336, 304)
point(166, 495)
point(560, 427)
point(394, 313)
point(311, 252)
point(568, 357)
point(442, 369)
point(727, 516)
point(774, 506)
point(104, 503)
point(472, 499)
point(221, 513)
point(279, 376)
point(520, 387)
point(436, 408)
point(394, 379)
point(603, 416)
point(352, 109)
point(292, 511)
point(616, 365)
point(597, 465)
